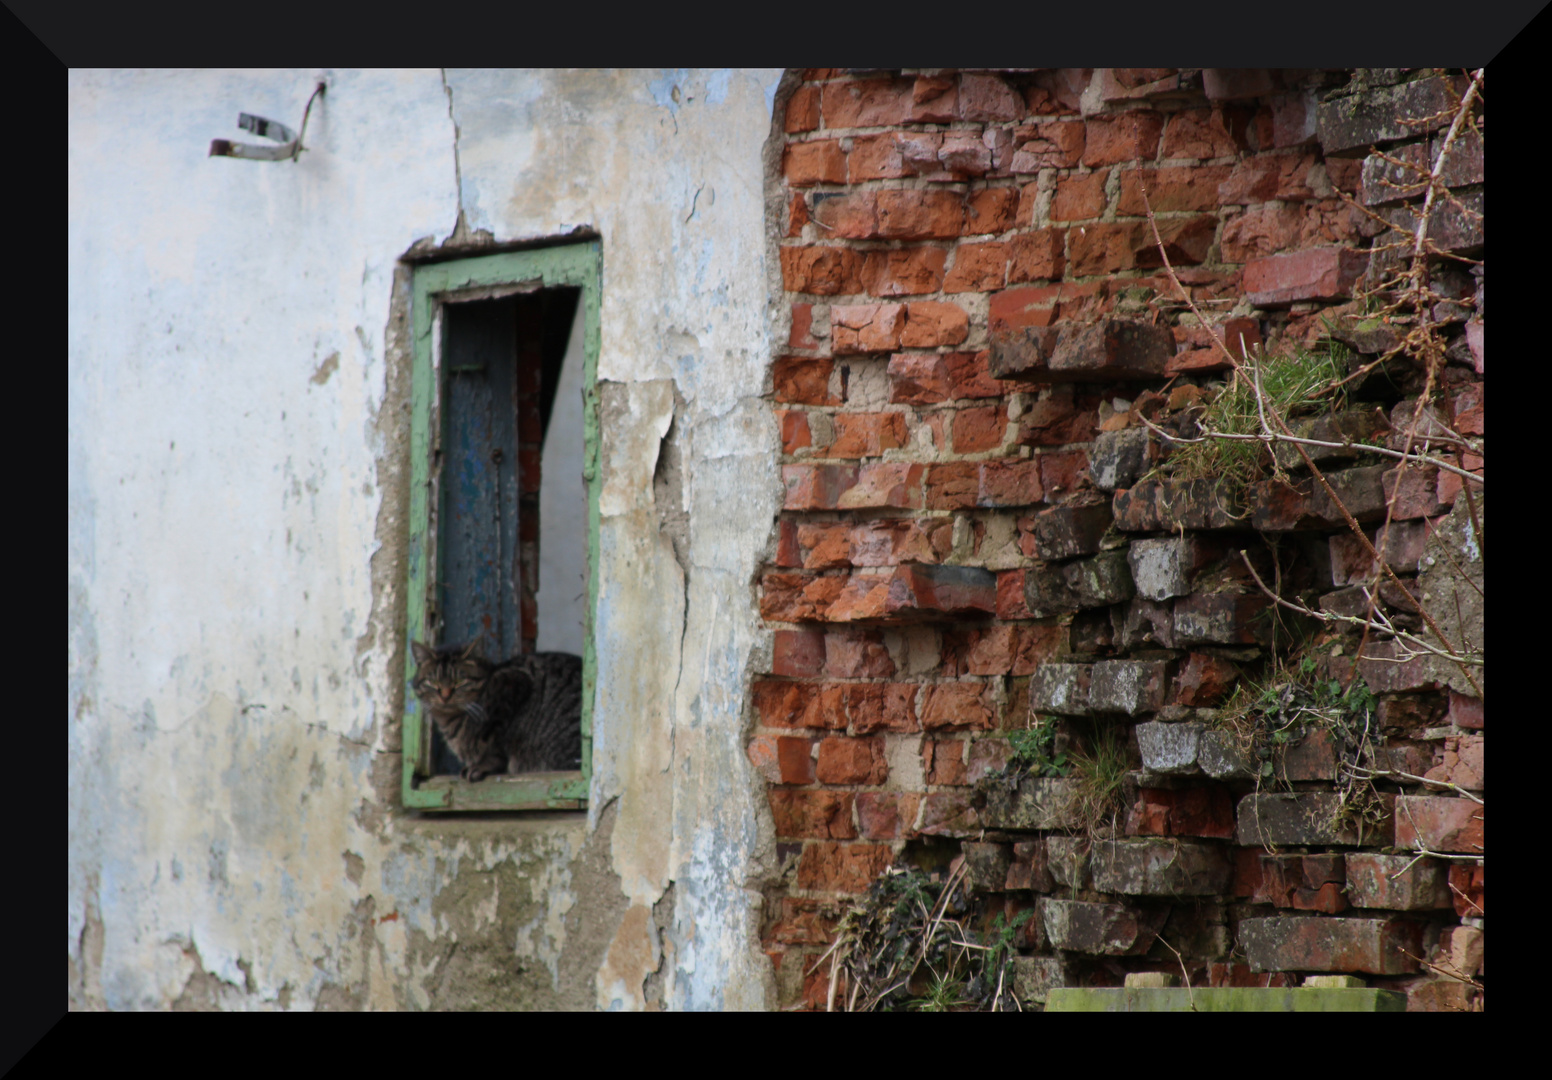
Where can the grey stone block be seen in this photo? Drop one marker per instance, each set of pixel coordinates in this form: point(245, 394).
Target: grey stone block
point(1221, 619)
point(1221, 756)
point(1349, 126)
point(1169, 749)
point(1067, 857)
point(1163, 567)
point(1064, 532)
point(1101, 581)
point(1061, 688)
point(1033, 803)
point(1034, 977)
point(1141, 623)
point(1118, 458)
point(1128, 686)
point(1104, 929)
point(1160, 868)
point(986, 865)
point(1308, 818)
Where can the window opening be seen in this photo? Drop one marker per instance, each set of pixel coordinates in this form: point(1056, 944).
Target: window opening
point(504, 507)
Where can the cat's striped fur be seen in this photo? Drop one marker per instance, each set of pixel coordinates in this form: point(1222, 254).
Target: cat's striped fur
point(521, 715)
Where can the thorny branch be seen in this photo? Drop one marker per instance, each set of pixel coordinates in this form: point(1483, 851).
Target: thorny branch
point(1383, 624)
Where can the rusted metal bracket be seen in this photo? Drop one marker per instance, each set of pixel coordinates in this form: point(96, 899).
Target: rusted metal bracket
point(290, 147)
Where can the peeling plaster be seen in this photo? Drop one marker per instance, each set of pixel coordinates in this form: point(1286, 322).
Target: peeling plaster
point(236, 562)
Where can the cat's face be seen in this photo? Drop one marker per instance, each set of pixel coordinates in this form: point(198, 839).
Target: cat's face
point(450, 677)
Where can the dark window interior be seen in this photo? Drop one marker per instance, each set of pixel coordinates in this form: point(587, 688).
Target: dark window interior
point(501, 362)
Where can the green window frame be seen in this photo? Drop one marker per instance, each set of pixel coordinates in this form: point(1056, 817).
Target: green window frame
point(575, 265)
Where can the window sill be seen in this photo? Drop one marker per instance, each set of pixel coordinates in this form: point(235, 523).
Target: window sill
point(529, 791)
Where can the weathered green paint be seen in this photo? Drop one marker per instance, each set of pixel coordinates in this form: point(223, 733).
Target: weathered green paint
point(571, 265)
point(1226, 999)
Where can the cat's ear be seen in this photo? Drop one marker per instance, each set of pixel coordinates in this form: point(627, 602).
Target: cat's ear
point(424, 654)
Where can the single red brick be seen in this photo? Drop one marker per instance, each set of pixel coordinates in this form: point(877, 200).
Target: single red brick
point(1186, 241)
point(1465, 711)
point(797, 597)
point(781, 704)
point(867, 434)
point(896, 712)
point(1261, 231)
point(889, 543)
point(819, 162)
point(1268, 176)
point(856, 328)
point(856, 654)
point(876, 157)
point(761, 752)
point(1010, 596)
point(986, 757)
point(990, 210)
point(829, 866)
point(801, 335)
point(918, 214)
point(1079, 198)
point(977, 268)
point(934, 99)
point(822, 545)
point(1413, 492)
point(904, 272)
point(948, 813)
point(844, 760)
point(884, 484)
point(816, 487)
point(1053, 145)
point(918, 379)
point(1104, 248)
point(821, 271)
point(988, 97)
point(1199, 811)
point(1439, 823)
point(943, 761)
point(1057, 91)
point(802, 110)
point(963, 154)
point(1467, 885)
point(885, 815)
point(787, 553)
point(866, 103)
point(1063, 472)
point(958, 706)
point(929, 323)
point(1170, 189)
point(797, 215)
point(798, 653)
point(1014, 309)
point(969, 377)
point(1207, 133)
point(850, 216)
point(1317, 274)
point(1205, 680)
point(915, 590)
point(794, 430)
point(979, 429)
point(1036, 256)
point(825, 815)
point(1128, 136)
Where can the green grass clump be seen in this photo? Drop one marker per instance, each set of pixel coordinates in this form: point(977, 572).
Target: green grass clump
point(1294, 385)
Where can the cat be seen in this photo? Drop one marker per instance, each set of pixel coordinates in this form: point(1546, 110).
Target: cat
point(521, 715)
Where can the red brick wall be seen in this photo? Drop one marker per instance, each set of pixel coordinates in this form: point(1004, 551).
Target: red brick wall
point(944, 229)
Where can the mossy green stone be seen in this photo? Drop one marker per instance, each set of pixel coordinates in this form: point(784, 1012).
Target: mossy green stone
point(1225, 999)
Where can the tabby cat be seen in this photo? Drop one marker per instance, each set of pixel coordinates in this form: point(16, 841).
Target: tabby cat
point(521, 715)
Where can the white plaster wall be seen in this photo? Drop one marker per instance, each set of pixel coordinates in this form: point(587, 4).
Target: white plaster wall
point(231, 649)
